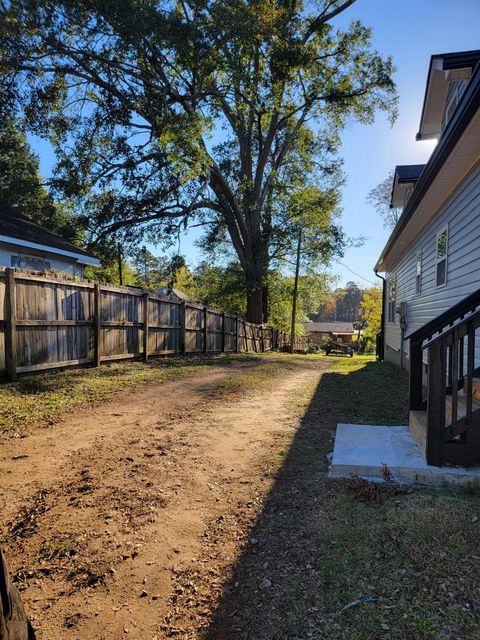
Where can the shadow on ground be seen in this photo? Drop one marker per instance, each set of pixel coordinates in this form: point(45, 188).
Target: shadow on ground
point(315, 549)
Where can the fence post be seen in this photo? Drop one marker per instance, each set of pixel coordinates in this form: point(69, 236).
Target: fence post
point(223, 332)
point(253, 328)
point(236, 334)
point(183, 328)
point(97, 327)
point(262, 337)
point(246, 337)
point(205, 330)
point(10, 324)
point(146, 298)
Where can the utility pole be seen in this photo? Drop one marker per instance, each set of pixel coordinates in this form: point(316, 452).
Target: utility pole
point(120, 265)
point(144, 251)
point(295, 292)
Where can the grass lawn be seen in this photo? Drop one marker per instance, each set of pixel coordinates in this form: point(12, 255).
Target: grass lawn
point(339, 566)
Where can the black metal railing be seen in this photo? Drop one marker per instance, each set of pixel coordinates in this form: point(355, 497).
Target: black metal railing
point(445, 387)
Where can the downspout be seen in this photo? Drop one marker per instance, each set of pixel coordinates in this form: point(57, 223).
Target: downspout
point(382, 322)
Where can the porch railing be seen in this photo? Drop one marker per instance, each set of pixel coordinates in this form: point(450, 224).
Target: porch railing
point(445, 387)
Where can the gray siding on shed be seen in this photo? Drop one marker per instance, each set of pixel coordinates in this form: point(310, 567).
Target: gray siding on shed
point(461, 213)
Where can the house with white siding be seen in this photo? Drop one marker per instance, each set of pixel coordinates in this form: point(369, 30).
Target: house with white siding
point(27, 245)
point(431, 267)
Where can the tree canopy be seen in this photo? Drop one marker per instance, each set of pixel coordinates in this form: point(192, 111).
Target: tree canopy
point(165, 114)
point(21, 185)
point(341, 305)
point(371, 315)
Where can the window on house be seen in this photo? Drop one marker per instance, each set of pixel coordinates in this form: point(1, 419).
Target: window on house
point(442, 250)
point(392, 298)
point(418, 274)
point(32, 263)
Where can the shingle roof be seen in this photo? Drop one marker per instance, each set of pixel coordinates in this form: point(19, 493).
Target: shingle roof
point(172, 292)
point(330, 327)
point(14, 225)
point(409, 172)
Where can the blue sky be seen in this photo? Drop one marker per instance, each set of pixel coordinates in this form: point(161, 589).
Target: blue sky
point(410, 31)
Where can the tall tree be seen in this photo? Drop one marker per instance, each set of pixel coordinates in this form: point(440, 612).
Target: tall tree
point(371, 315)
point(151, 272)
point(135, 95)
point(21, 185)
point(380, 197)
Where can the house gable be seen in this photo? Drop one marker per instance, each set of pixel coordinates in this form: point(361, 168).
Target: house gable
point(454, 157)
point(448, 77)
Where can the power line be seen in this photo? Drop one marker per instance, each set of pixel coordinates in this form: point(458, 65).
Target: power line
point(355, 273)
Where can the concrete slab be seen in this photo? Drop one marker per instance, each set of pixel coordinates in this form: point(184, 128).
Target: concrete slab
point(362, 449)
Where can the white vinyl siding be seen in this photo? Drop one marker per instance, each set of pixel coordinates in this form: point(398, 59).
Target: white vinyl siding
point(461, 215)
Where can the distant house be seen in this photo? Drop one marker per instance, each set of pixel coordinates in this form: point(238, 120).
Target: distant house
point(27, 245)
point(338, 331)
point(172, 293)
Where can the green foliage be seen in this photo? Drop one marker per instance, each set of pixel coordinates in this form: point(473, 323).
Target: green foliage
point(21, 185)
point(371, 315)
point(150, 272)
point(131, 94)
point(342, 304)
point(109, 272)
point(222, 288)
point(312, 291)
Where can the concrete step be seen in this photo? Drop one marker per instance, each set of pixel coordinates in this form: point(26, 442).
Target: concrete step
point(417, 424)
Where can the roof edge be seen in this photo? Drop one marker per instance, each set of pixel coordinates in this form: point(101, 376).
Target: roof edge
point(452, 60)
point(466, 109)
point(81, 257)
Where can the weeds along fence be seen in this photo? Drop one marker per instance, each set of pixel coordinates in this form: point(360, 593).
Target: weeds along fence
point(47, 322)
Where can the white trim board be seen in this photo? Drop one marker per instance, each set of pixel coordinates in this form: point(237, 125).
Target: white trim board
point(43, 247)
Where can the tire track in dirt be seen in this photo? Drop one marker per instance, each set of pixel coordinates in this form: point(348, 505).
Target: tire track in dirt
point(136, 510)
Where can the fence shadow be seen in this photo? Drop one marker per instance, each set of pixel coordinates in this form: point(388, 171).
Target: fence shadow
point(275, 586)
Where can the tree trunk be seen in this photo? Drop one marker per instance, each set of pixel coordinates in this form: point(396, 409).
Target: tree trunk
point(256, 278)
point(265, 302)
point(295, 293)
point(255, 305)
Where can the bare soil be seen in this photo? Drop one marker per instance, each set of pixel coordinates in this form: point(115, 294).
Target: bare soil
point(126, 520)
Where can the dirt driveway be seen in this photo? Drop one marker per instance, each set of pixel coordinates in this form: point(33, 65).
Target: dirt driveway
point(125, 520)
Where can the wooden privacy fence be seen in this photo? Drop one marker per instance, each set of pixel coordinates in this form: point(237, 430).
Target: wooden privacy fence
point(48, 322)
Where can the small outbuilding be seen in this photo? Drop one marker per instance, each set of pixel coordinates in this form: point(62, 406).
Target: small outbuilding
point(319, 332)
point(173, 293)
point(27, 245)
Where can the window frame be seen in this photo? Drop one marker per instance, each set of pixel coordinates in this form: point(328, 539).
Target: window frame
point(418, 272)
point(17, 259)
point(444, 258)
point(392, 300)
